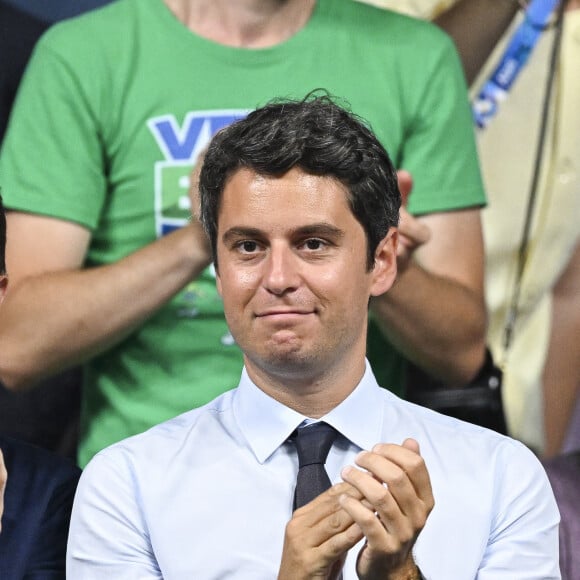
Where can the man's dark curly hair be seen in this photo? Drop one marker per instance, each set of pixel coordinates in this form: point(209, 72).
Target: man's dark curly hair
point(320, 138)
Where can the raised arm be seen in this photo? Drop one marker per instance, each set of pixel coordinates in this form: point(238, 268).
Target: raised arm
point(435, 312)
point(56, 314)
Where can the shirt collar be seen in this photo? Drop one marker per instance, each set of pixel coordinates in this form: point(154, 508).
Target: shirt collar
point(266, 423)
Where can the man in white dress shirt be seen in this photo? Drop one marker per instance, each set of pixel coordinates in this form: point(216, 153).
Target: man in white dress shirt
point(301, 206)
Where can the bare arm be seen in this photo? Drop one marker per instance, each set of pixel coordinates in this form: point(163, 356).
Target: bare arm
point(435, 312)
point(56, 314)
point(476, 26)
point(561, 377)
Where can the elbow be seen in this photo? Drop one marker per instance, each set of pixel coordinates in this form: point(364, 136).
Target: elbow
point(473, 358)
point(15, 382)
point(469, 362)
point(474, 355)
point(473, 364)
point(23, 371)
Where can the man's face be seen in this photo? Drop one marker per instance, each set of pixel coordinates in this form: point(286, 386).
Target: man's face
point(292, 273)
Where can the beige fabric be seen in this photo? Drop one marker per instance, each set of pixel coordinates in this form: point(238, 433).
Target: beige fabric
point(507, 149)
point(426, 9)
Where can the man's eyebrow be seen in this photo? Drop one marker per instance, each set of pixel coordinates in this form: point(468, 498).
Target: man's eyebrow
point(238, 232)
point(323, 229)
point(320, 229)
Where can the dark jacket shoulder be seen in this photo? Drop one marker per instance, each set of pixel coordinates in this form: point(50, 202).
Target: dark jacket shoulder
point(37, 507)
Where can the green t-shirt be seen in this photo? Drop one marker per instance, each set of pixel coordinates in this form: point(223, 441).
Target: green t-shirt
point(112, 113)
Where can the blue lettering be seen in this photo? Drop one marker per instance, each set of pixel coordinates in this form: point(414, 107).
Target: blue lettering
point(184, 143)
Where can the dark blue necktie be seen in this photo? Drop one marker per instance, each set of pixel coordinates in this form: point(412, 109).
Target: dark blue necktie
point(313, 443)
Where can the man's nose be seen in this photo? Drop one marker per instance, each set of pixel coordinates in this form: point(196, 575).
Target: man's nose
point(281, 270)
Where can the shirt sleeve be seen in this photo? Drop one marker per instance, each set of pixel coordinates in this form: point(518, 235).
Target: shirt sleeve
point(108, 533)
point(52, 161)
point(439, 149)
point(523, 541)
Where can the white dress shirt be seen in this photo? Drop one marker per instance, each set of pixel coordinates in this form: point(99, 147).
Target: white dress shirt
point(208, 494)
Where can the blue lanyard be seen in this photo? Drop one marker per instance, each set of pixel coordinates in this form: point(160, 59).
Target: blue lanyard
point(516, 54)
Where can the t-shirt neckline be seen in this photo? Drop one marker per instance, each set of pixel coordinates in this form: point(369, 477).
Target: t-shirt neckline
point(241, 55)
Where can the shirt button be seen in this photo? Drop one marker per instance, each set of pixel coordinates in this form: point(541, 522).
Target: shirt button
point(566, 171)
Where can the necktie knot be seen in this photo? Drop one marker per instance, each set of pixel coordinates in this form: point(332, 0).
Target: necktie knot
point(313, 443)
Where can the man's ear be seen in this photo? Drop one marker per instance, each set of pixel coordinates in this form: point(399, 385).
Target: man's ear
point(385, 268)
point(3, 286)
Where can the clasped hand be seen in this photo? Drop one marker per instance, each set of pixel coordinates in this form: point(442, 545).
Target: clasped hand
point(386, 499)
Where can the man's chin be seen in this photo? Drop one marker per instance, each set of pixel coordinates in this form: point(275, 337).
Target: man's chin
point(288, 361)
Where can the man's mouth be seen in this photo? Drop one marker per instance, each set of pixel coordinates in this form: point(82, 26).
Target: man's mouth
point(284, 312)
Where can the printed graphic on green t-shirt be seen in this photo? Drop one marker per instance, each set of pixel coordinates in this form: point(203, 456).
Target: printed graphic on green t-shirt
point(181, 146)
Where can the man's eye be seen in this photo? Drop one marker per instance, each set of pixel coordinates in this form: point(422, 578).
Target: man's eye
point(314, 244)
point(248, 247)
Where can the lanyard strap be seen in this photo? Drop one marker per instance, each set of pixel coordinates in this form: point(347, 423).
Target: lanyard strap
point(521, 44)
point(513, 310)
